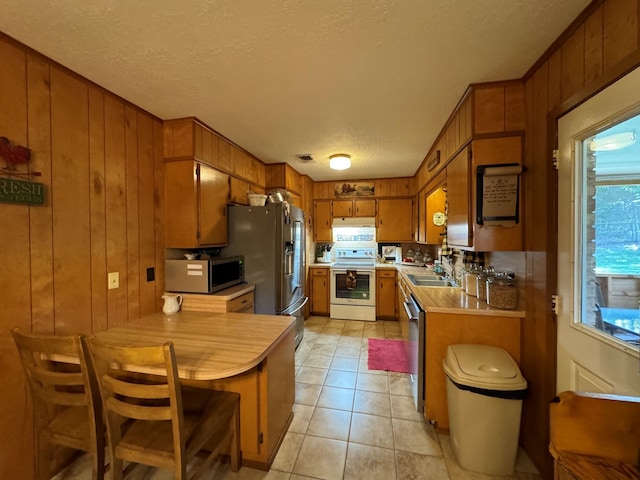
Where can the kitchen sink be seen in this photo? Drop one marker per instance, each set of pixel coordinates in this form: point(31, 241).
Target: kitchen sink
point(429, 281)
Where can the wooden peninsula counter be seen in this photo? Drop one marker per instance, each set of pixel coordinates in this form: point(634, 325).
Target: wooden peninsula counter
point(245, 353)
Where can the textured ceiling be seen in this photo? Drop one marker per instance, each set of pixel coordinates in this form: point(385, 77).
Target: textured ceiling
point(373, 78)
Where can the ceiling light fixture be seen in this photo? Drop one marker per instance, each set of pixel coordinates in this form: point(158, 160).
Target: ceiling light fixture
point(616, 141)
point(340, 161)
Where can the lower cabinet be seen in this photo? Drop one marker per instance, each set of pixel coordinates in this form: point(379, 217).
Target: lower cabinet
point(225, 301)
point(267, 394)
point(444, 329)
point(319, 290)
point(386, 294)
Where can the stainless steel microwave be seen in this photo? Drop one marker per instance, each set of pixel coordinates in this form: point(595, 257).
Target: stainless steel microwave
point(203, 276)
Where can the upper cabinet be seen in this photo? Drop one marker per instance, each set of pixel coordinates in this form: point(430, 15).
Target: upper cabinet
point(196, 205)
point(282, 175)
point(485, 110)
point(322, 221)
point(353, 207)
point(435, 211)
point(459, 198)
point(203, 172)
point(486, 128)
point(463, 227)
point(188, 138)
point(395, 220)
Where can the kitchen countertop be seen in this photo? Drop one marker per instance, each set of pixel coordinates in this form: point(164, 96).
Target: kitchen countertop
point(235, 291)
point(442, 299)
point(450, 299)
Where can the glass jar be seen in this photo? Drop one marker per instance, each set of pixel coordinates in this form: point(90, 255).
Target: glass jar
point(481, 287)
point(463, 276)
point(502, 292)
point(418, 256)
point(472, 282)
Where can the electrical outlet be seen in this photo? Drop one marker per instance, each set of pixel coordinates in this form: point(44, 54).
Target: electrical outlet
point(114, 280)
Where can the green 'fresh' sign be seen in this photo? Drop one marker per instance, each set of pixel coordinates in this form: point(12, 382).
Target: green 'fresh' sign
point(21, 192)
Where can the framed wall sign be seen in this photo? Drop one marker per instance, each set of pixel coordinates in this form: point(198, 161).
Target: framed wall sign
point(497, 194)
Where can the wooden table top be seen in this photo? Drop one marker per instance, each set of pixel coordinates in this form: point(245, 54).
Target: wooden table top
point(208, 346)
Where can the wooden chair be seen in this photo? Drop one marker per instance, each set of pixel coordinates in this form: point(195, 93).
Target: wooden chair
point(595, 436)
point(153, 421)
point(66, 401)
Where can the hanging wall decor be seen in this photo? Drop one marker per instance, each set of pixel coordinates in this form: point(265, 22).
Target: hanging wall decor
point(16, 188)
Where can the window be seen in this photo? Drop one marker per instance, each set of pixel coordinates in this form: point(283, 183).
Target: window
point(609, 196)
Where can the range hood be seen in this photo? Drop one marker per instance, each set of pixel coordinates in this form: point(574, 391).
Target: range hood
point(354, 222)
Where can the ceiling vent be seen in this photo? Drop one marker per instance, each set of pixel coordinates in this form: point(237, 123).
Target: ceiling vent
point(306, 157)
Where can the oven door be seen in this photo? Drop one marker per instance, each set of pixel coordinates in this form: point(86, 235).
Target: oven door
point(353, 286)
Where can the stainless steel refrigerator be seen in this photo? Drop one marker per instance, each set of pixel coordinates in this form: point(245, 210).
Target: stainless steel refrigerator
point(272, 240)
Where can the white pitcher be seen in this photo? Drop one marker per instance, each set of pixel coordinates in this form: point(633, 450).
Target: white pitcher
point(172, 303)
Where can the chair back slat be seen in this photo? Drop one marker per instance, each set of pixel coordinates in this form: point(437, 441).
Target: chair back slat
point(136, 390)
point(138, 412)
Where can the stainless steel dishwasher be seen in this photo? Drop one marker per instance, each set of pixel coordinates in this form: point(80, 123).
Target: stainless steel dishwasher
point(416, 349)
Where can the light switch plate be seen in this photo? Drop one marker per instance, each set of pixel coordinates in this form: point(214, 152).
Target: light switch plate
point(114, 280)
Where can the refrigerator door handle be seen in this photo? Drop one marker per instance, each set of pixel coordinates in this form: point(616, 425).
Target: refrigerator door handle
point(296, 309)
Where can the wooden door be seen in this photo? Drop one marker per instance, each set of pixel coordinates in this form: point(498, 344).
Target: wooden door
point(213, 195)
point(364, 208)
point(342, 208)
point(323, 219)
point(458, 196)
point(395, 220)
point(319, 291)
point(386, 294)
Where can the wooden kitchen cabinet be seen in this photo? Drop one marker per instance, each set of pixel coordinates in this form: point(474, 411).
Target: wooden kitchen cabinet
point(319, 290)
point(421, 234)
point(386, 294)
point(353, 208)
point(462, 228)
point(458, 196)
point(323, 220)
point(444, 329)
point(267, 394)
point(232, 299)
point(196, 205)
point(395, 220)
point(435, 202)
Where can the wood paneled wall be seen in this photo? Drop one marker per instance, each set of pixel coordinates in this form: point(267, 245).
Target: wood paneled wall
point(99, 158)
point(600, 46)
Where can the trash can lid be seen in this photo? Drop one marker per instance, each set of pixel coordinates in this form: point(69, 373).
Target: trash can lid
point(483, 366)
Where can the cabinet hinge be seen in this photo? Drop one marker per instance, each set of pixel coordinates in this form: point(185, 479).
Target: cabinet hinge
point(260, 437)
point(556, 157)
point(555, 303)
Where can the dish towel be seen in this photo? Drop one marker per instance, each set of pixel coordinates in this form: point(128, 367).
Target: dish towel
point(352, 279)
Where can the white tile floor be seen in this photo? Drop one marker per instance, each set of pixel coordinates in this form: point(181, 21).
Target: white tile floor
point(351, 422)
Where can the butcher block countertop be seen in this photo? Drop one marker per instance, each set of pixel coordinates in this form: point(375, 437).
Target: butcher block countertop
point(450, 299)
point(208, 346)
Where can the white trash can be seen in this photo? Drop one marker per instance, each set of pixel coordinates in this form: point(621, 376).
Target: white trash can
point(484, 394)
